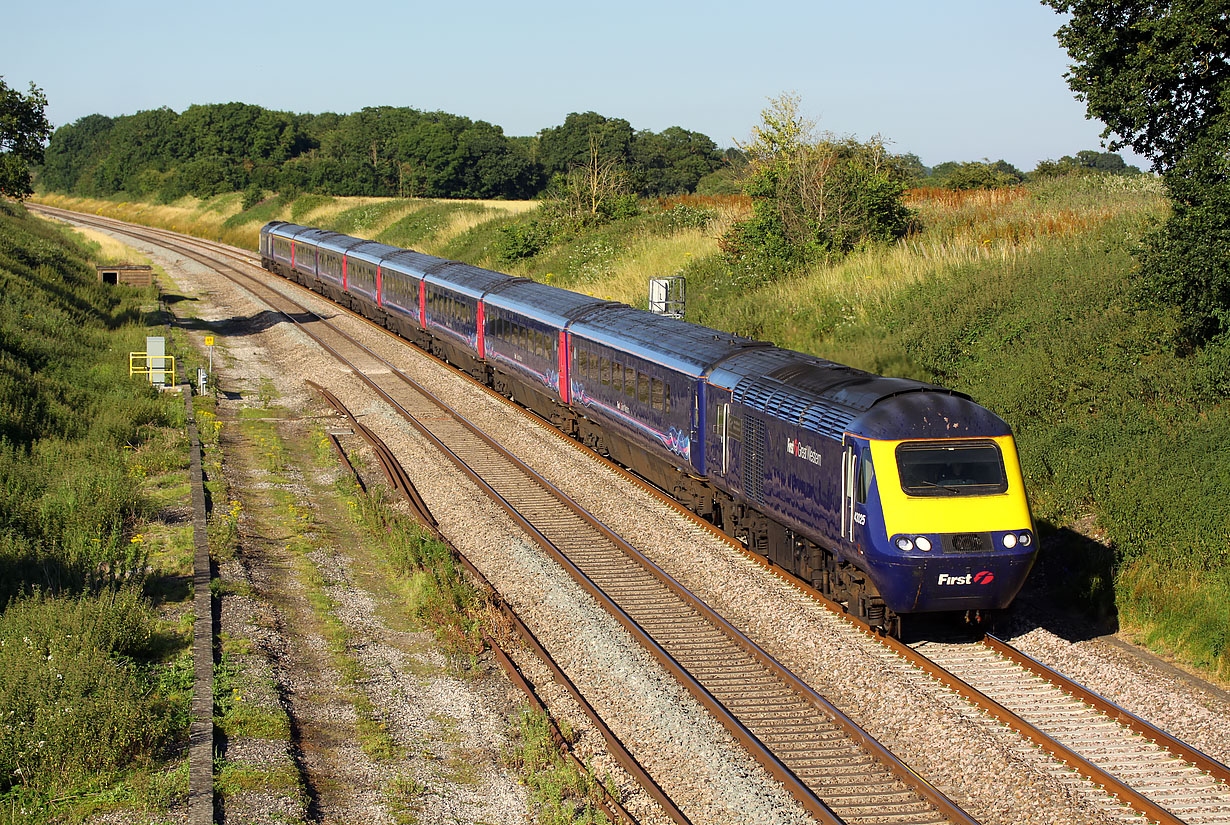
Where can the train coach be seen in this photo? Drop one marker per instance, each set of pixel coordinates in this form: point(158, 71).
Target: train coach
point(893, 496)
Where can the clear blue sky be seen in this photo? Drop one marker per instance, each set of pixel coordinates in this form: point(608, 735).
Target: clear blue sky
point(946, 80)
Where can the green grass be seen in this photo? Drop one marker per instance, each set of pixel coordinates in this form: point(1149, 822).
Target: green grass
point(93, 686)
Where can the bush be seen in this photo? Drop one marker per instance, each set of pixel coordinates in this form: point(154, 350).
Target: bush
point(522, 240)
point(74, 704)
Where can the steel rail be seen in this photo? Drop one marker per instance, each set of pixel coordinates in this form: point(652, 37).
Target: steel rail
point(612, 806)
point(1108, 708)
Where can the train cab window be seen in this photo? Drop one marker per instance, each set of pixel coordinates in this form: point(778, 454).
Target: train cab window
point(630, 382)
point(951, 468)
point(866, 474)
point(642, 388)
point(657, 397)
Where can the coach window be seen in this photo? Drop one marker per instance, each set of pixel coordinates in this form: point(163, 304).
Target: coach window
point(666, 397)
point(642, 388)
point(630, 382)
point(657, 402)
point(582, 362)
point(605, 368)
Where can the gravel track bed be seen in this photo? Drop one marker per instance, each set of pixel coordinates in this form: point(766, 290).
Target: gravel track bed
point(442, 721)
point(1198, 717)
point(982, 765)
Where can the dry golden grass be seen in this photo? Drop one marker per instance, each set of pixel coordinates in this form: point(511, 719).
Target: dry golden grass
point(512, 207)
point(111, 250)
point(627, 278)
point(330, 209)
point(460, 222)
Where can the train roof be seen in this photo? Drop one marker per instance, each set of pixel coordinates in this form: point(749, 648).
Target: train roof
point(284, 229)
point(410, 262)
point(472, 281)
point(336, 242)
point(542, 302)
point(833, 399)
point(687, 348)
point(371, 251)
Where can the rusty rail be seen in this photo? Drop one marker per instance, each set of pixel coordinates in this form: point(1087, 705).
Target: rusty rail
point(1109, 708)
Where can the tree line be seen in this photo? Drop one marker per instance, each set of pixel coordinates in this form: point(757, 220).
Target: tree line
point(379, 151)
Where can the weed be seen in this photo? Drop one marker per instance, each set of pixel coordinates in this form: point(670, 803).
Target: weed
point(559, 791)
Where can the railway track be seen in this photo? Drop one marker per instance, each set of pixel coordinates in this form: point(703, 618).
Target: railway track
point(837, 771)
point(1146, 770)
point(1182, 784)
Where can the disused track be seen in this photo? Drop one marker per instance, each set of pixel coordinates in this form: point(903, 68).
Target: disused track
point(837, 771)
point(1185, 786)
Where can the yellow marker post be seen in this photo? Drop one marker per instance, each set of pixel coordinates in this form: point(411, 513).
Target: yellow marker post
point(209, 342)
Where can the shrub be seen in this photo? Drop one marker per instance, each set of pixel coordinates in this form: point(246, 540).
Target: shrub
point(74, 703)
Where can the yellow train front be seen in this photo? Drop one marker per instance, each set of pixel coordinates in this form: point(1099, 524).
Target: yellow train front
point(897, 497)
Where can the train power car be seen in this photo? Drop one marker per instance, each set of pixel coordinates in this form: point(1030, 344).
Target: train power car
point(893, 496)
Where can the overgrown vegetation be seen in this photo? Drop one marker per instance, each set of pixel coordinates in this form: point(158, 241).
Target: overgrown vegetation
point(93, 686)
point(813, 198)
point(560, 793)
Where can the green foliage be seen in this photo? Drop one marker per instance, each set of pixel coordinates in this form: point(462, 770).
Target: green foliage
point(975, 175)
point(378, 151)
point(1086, 162)
point(83, 696)
point(523, 239)
point(23, 131)
point(439, 594)
point(1186, 262)
point(561, 794)
point(1154, 73)
point(813, 198)
point(78, 703)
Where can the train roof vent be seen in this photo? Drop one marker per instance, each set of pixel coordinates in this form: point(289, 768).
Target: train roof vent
point(826, 419)
point(847, 386)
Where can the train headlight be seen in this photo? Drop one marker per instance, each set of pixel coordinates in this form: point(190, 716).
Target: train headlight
point(924, 544)
point(904, 544)
point(1010, 540)
point(1026, 539)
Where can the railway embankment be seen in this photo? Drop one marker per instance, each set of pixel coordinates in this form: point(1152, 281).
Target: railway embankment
point(95, 543)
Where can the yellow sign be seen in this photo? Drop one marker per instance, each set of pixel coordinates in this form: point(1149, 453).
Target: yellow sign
point(209, 340)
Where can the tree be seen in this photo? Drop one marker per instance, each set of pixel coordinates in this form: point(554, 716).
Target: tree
point(1157, 73)
point(566, 147)
point(23, 132)
point(976, 174)
point(813, 196)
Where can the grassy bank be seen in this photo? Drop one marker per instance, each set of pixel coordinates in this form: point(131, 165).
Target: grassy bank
point(1024, 298)
point(94, 669)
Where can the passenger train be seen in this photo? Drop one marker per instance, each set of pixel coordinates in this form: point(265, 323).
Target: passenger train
point(893, 496)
